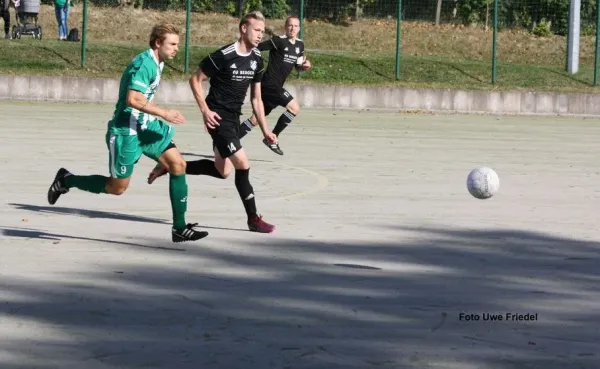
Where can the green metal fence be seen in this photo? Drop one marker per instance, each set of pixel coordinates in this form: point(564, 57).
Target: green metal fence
point(542, 18)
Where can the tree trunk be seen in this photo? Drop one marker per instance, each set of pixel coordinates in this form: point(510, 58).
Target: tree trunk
point(438, 12)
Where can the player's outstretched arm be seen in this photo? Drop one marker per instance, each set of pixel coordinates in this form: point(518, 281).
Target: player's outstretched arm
point(138, 101)
point(211, 119)
point(259, 111)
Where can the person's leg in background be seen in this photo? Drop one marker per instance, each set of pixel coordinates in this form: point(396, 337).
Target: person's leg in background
point(64, 19)
point(58, 14)
point(6, 17)
point(61, 11)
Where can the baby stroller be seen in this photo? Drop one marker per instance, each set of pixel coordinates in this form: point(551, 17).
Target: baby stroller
point(27, 19)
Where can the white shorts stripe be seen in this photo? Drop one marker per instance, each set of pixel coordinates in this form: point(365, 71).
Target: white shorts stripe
point(111, 150)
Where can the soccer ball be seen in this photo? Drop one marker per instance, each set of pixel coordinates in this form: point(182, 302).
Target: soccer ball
point(483, 183)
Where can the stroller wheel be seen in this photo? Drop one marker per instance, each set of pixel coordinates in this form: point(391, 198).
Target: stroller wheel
point(40, 33)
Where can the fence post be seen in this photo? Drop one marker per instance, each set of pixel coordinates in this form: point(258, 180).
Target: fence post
point(84, 33)
point(301, 16)
point(494, 42)
point(398, 35)
point(188, 16)
point(597, 37)
point(574, 37)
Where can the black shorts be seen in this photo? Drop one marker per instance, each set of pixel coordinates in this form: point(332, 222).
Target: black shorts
point(225, 136)
point(273, 97)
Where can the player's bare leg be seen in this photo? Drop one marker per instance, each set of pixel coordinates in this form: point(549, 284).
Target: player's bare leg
point(117, 186)
point(223, 165)
point(204, 167)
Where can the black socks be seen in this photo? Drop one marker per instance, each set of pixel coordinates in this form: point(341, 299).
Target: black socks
point(203, 167)
point(242, 183)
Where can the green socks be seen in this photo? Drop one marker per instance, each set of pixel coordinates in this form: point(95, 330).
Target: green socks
point(178, 192)
point(93, 184)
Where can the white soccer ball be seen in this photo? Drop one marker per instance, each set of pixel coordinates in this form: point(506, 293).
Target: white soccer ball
point(483, 183)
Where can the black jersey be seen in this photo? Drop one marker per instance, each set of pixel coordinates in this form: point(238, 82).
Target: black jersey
point(230, 75)
point(283, 56)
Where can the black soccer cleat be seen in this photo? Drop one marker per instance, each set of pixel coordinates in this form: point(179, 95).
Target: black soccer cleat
point(58, 187)
point(274, 147)
point(187, 234)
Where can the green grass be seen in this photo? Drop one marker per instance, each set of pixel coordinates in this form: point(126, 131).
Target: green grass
point(49, 57)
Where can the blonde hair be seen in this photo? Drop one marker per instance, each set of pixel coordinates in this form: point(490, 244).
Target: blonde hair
point(160, 32)
point(256, 15)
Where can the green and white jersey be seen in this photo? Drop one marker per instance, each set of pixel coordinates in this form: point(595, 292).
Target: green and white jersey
point(143, 75)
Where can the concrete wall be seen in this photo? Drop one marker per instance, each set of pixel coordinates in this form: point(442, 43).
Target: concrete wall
point(68, 89)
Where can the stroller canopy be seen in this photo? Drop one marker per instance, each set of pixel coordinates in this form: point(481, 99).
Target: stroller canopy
point(29, 6)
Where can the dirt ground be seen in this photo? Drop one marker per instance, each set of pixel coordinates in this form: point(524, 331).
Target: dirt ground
point(379, 257)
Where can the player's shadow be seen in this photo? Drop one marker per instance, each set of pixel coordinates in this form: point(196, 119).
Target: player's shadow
point(32, 233)
point(47, 49)
point(198, 155)
point(212, 157)
point(98, 214)
point(87, 213)
point(388, 303)
point(369, 67)
point(575, 78)
point(464, 72)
